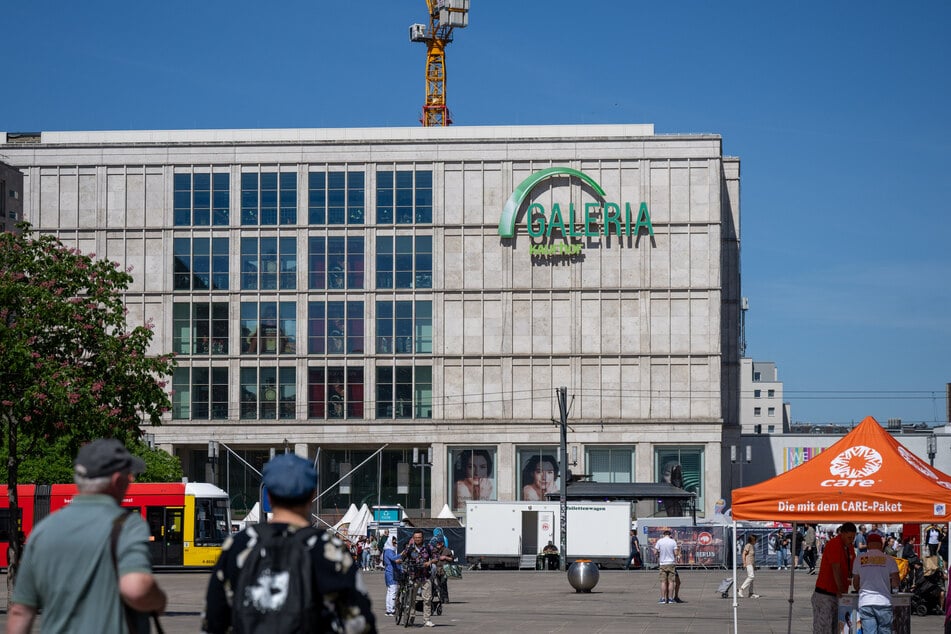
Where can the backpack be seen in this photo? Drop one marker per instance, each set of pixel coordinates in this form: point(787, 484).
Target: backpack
point(275, 588)
point(774, 541)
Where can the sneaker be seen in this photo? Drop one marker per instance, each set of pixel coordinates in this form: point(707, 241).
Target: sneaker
point(662, 601)
point(678, 600)
point(429, 624)
point(754, 596)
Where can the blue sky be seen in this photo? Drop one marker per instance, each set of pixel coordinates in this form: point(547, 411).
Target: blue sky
point(838, 111)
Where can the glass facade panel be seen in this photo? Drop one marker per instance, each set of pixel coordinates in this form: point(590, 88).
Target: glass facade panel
point(405, 196)
point(404, 262)
point(201, 199)
point(682, 467)
point(610, 464)
point(200, 393)
point(268, 328)
point(200, 328)
point(268, 263)
point(335, 392)
point(336, 198)
point(269, 198)
point(269, 393)
point(200, 264)
point(398, 395)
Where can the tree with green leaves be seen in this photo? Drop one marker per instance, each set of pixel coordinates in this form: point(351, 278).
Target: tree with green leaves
point(70, 368)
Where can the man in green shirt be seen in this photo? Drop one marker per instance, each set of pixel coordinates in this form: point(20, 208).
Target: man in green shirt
point(68, 571)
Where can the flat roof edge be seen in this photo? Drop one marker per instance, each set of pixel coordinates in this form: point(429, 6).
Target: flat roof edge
point(307, 135)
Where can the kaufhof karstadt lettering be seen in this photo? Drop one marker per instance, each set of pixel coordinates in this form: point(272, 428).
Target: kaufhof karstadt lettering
point(569, 223)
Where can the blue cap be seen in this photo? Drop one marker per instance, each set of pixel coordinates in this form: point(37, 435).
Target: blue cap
point(289, 476)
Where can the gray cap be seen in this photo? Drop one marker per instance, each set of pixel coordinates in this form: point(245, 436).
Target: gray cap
point(104, 457)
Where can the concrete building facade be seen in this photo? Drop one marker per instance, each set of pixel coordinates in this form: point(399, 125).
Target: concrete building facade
point(334, 291)
point(762, 410)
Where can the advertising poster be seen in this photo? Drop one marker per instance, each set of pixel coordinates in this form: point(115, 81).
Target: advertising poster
point(539, 473)
point(473, 475)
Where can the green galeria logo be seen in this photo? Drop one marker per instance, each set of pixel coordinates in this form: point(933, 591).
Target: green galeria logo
point(597, 219)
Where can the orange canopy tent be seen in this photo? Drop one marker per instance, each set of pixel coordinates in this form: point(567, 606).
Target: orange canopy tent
point(867, 476)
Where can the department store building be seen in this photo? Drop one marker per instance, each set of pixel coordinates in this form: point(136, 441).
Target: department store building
point(332, 291)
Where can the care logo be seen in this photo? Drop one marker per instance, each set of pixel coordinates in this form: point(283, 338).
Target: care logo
point(853, 466)
point(919, 464)
point(570, 224)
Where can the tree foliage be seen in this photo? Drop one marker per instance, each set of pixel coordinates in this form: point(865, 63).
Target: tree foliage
point(70, 369)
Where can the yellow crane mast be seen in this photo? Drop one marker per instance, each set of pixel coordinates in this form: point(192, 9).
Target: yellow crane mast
point(444, 16)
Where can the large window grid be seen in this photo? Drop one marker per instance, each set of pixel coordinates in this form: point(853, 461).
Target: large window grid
point(200, 264)
point(404, 392)
point(404, 261)
point(269, 393)
point(200, 328)
point(335, 327)
point(682, 467)
point(610, 464)
point(268, 198)
point(405, 196)
point(268, 263)
point(336, 198)
point(200, 393)
point(201, 199)
point(404, 327)
point(268, 328)
point(335, 262)
point(335, 392)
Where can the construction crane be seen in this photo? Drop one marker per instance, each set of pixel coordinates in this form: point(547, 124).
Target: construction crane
point(444, 16)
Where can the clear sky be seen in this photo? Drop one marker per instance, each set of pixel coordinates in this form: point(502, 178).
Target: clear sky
point(839, 111)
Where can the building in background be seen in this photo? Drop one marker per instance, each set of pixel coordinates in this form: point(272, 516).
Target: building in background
point(762, 410)
point(11, 202)
point(329, 292)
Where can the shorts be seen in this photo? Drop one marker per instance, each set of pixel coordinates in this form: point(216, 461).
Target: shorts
point(668, 572)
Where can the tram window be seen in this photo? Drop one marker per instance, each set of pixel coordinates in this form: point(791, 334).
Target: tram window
point(211, 521)
point(4, 525)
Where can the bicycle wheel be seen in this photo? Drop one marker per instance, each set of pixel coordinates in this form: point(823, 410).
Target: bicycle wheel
point(398, 611)
point(409, 605)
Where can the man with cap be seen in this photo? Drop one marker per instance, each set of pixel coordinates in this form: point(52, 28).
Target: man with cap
point(875, 576)
point(69, 569)
point(833, 580)
point(339, 593)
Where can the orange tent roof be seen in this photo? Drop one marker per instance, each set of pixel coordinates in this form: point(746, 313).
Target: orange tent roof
point(867, 476)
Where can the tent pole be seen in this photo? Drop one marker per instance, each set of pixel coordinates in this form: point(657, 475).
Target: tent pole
point(735, 592)
point(792, 576)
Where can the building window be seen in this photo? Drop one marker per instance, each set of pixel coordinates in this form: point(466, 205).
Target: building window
point(336, 198)
point(200, 328)
point(682, 467)
point(538, 471)
point(770, 429)
point(335, 262)
point(404, 196)
point(757, 411)
point(200, 264)
point(404, 392)
point(200, 393)
point(268, 264)
point(771, 411)
point(404, 327)
point(757, 393)
point(201, 199)
point(771, 393)
point(269, 393)
point(335, 392)
point(268, 198)
point(335, 327)
point(404, 262)
point(610, 464)
point(268, 328)
point(756, 376)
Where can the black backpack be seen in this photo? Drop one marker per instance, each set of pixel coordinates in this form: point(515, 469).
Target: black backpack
point(275, 589)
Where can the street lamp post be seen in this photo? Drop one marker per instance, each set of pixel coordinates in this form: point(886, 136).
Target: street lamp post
point(734, 458)
point(932, 448)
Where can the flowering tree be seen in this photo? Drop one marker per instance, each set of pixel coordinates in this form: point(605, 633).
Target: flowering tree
point(70, 370)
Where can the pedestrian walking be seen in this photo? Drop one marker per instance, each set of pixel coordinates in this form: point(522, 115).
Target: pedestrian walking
point(391, 574)
point(87, 566)
point(749, 562)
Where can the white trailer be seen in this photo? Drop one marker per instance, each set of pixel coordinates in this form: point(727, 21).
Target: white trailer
point(513, 533)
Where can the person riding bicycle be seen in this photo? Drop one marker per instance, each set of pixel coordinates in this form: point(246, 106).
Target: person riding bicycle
point(416, 560)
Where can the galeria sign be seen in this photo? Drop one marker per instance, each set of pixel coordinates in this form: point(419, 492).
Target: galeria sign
point(594, 219)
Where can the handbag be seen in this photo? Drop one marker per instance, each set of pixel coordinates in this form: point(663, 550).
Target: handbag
point(133, 619)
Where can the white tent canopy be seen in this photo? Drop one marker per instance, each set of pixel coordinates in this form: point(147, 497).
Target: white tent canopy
point(446, 513)
point(360, 522)
point(347, 517)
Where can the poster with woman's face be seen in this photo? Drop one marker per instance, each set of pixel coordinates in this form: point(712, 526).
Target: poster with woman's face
point(539, 473)
point(473, 475)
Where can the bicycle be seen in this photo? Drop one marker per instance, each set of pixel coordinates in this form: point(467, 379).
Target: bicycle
point(406, 596)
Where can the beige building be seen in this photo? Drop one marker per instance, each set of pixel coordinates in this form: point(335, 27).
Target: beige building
point(330, 291)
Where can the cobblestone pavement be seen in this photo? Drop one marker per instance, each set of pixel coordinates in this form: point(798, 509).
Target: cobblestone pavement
point(526, 602)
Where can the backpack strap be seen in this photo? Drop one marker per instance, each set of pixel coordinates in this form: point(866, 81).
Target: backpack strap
point(129, 612)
